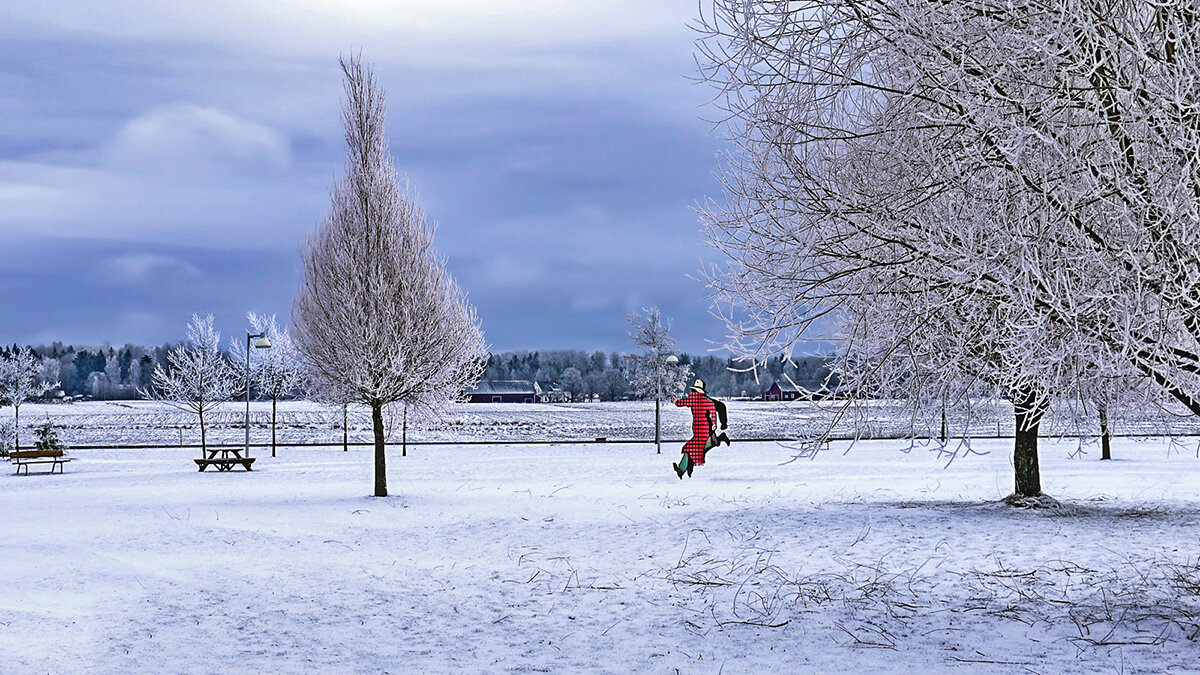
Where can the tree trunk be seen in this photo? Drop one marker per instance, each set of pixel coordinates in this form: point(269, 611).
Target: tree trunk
point(203, 437)
point(345, 427)
point(1105, 434)
point(404, 433)
point(16, 426)
point(1027, 411)
point(943, 436)
point(273, 401)
point(380, 457)
point(657, 435)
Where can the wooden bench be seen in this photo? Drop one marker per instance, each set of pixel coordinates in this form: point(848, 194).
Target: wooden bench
point(225, 464)
point(23, 458)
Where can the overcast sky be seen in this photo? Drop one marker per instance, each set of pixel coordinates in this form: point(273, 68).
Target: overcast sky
point(159, 159)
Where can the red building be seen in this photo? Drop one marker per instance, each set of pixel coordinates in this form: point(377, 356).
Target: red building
point(783, 391)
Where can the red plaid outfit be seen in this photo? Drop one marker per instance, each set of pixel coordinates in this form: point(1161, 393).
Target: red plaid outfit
point(703, 414)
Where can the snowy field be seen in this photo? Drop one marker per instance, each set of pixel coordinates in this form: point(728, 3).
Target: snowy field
point(147, 422)
point(124, 423)
point(596, 558)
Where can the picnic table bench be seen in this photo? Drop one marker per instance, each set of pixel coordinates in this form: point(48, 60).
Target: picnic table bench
point(23, 458)
point(227, 460)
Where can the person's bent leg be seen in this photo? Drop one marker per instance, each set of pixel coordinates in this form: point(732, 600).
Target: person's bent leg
point(685, 464)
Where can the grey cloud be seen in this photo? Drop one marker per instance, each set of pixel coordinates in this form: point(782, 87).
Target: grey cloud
point(139, 268)
point(186, 138)
point(560, 156)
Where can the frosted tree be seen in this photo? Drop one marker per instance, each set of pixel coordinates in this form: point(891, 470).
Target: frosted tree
point(275, 372)
point(573, 383)
point(1090, 120)
point(655, 373)
point(378, 316)
point(23, 377)
point(936, 349)
point(198, 377)
point(112, 376)
point(877, 141)
point(50, 371)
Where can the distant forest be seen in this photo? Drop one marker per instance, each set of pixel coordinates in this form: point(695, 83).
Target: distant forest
point(603, 373)
point(105, 372)
point(116, 373)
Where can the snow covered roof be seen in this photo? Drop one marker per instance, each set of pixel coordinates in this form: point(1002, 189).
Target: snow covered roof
point(505, 387)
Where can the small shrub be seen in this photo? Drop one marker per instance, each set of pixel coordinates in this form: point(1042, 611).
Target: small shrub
point(8, 434)
point(47, 437)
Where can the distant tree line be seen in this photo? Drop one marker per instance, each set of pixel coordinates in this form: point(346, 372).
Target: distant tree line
point(105, 372)
point(119, 373)
point(604, 374)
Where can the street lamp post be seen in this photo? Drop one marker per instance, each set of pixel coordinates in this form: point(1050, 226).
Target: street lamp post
point(260, 342)
point(670, 361)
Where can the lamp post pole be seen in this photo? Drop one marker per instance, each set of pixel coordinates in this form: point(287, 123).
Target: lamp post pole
point(670, 361)
point(261, 343)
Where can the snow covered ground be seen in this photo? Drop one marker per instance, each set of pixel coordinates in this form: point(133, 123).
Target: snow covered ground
point(596, 558)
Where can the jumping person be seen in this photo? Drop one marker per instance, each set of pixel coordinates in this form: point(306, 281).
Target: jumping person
point(723, 418)
point(704, 414)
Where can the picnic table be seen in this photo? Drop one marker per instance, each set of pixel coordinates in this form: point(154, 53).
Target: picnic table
point(226, 460)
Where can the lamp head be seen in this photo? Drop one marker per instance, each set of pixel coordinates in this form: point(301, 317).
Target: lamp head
point(672, 359)
point(262, 343)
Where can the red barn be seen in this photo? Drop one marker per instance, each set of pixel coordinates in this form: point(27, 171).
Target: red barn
point(782, 391)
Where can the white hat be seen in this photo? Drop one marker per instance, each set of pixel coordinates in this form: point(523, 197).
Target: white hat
point(698, 386)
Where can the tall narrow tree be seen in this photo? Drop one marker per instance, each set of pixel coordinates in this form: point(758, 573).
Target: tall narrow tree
point(378, 316)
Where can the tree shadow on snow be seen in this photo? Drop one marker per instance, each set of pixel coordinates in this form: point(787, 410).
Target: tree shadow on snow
point(1098, 508)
